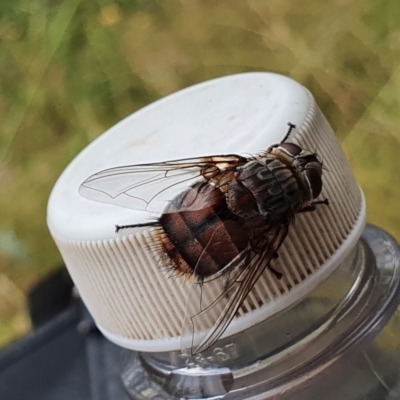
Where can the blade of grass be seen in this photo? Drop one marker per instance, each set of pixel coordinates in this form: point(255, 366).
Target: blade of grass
point(57, 29)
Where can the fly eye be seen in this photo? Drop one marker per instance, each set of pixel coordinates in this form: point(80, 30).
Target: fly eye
point(291, 148)
point(314, 177)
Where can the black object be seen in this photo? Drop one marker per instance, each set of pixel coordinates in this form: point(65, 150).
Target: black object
point(49, 297)
point(66, 358)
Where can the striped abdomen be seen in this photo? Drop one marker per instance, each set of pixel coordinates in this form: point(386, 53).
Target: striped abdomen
point(200, 234)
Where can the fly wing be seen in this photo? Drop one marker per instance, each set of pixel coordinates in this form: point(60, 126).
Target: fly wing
point(212, 304)
point(149, 187)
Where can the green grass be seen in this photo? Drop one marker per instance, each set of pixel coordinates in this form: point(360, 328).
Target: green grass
point(71, 69)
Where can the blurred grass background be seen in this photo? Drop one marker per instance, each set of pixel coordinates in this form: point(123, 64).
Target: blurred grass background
point(70, 69)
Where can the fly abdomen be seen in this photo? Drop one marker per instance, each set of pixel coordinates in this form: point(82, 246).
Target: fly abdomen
point(200, 235)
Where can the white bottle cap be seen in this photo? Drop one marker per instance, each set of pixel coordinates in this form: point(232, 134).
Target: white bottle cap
point(133, 302)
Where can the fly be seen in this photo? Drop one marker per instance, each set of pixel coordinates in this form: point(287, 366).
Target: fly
point(221, 219)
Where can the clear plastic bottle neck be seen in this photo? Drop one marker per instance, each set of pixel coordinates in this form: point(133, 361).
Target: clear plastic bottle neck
point(286, 351)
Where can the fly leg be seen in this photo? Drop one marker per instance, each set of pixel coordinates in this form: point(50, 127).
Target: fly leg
point(276, 273)
point(312, 206)
point(120, 227)
point(291, 127)
point(325, 201)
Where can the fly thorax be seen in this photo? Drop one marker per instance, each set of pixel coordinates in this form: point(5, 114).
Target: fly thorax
point(274, 187)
